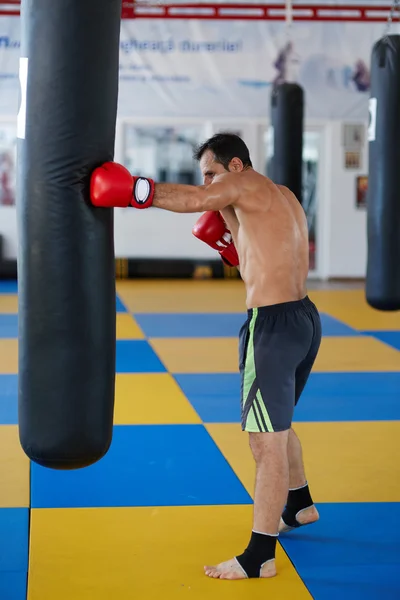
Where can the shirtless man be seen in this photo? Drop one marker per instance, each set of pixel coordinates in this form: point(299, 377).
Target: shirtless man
point(280, 339)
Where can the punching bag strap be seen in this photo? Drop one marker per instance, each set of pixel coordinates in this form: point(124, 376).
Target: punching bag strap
point(382, 49)
point(289, 18)
point(395, 8)
point(290, 73)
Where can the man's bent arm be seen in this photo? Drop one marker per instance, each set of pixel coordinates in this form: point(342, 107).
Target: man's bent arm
point(191, 199)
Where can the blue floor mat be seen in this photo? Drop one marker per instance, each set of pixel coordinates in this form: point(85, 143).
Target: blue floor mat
point(120, 306)
point(352, 553)
point(214, 396)
point(137, 356)
point(160, 465)
point(8, 399)
point(327, 397)
point(190, 325)
point(8, 326)
point(332, 327)
point(350, 397)
point(8, 286)
point(13, 586)
point(14, 523)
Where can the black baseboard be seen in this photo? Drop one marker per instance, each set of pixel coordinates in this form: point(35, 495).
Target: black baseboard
point(130, 268)
point(8, 268)
point(172, 268)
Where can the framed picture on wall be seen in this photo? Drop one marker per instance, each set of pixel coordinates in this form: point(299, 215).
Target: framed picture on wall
point(361, 191)
point(352, 160)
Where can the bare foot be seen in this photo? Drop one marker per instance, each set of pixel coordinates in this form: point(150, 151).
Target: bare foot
point(232, 570)
point(304, 517)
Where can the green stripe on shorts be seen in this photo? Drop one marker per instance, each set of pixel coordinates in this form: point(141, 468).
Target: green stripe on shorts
point(264, 412)
point(250, 365)
point(258, 418)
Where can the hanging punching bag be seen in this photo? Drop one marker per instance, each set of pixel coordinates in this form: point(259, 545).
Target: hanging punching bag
point(67, 329)
point(287, 110)
point(383, 197)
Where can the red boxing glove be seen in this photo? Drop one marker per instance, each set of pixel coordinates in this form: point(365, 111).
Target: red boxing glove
point(211, 229)
point(112, 185)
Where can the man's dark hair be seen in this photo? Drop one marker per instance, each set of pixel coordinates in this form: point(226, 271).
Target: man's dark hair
point(225, 146)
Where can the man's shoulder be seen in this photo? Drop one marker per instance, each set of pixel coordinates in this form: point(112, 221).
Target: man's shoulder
point(288, 194)
point(284, 190)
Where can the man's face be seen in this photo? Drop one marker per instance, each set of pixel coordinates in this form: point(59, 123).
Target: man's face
point(210, 168)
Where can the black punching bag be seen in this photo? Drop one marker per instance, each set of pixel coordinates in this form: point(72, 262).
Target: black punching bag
point(287, 114)
point(383, 198)
point(67, 315)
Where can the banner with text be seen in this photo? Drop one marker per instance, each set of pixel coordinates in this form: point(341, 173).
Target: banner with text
point(190, 68)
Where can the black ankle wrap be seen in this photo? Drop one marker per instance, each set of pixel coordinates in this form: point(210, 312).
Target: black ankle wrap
point(260, 549)
point(297, 501)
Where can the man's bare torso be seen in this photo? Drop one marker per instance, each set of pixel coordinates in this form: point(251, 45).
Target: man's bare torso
point(269, 228)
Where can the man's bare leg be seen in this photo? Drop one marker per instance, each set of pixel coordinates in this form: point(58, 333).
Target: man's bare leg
point(297, 481)
point(271, 489)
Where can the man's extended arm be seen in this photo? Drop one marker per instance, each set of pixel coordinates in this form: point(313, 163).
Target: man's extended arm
point(113, 185)
point(189, 198)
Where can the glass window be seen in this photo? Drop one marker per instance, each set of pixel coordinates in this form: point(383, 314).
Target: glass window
point(164, 154)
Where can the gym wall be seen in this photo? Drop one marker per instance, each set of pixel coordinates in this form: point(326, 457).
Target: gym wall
point(182, 80)
point(347, 223)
